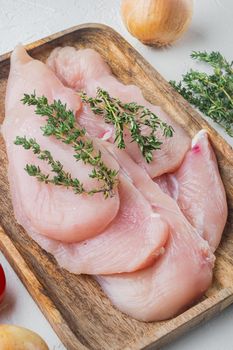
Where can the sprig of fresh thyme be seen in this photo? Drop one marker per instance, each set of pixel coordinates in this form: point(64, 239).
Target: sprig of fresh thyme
point(212, 93)
point(131, 116)
point(61, 178)
point(61, 123)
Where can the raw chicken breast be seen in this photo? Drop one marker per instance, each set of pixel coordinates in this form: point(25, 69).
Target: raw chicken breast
point(198, 189)
point(51, 210)
point(167, 288)
point(180, 276)
point(133, 240)
point(86, 70)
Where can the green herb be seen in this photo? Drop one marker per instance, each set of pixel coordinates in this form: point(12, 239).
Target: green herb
point(61, 123)
point(61, 178)
point(212, 93)
point(132, 116)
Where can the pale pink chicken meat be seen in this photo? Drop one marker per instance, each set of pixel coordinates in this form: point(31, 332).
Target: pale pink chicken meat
point(151, 244)
point(180, 276)
point(198, 189)
point(133, 240)
point(86, 70)
point(51, 210)
point(63, 61)
point(172, 284)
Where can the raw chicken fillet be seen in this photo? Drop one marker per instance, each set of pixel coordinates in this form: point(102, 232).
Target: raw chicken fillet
point(53, 211)
point(198, 189)
point(179, 277)
point(86, 70)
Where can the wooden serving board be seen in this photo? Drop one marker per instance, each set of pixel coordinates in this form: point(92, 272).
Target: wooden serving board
point(74, 305)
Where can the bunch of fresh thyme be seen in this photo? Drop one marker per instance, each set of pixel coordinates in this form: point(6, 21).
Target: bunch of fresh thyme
point(131, 116)
point(61, 123)
point(212, 93)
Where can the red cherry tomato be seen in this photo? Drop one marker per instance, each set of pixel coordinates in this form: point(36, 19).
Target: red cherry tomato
point(2, 283)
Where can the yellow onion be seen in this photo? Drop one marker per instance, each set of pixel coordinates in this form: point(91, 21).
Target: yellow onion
point(157, 22)
point(18, 338)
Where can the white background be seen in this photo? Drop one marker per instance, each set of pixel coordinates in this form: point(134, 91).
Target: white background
point(28, 20)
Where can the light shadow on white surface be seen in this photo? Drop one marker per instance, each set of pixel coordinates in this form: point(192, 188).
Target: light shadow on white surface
point(194, 35)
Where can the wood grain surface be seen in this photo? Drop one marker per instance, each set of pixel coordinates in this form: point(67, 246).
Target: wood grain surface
point(75, 306)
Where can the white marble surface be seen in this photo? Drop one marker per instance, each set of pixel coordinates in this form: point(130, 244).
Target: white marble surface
point(28, 20)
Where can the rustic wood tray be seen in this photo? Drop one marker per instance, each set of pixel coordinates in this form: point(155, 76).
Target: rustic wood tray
point(74, 305)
